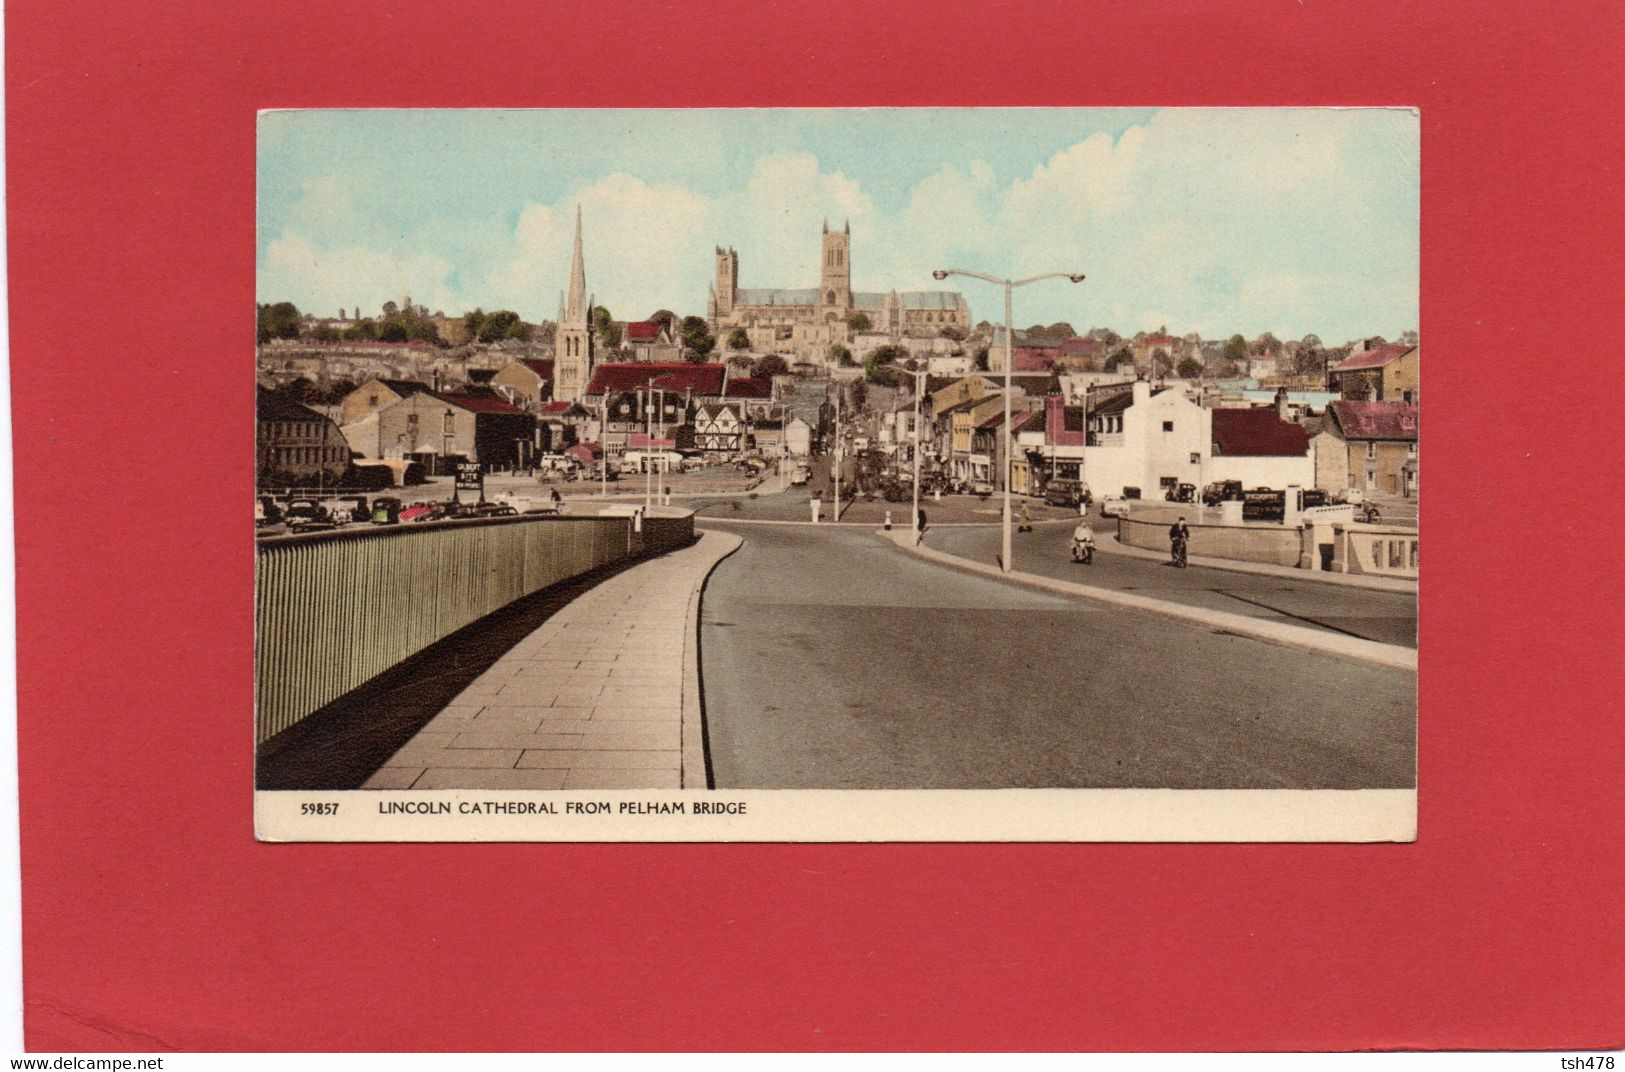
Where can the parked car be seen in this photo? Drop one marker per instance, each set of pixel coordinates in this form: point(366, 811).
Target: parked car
point(983, 488)
point(1181, 493)
point(1063, 491)
point(1114, 506)
point(306, 515)
point(348, 508)
point(266, 512)
point(1221, 491)
point(386, 510)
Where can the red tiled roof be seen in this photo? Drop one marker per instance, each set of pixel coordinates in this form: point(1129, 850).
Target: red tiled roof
point(750, 387)
point(556, 407)
point(680, 376)
point(642, 330)
point(541, 368)
point(1376, 420)
point(1082, 344)
point(585, 451)
point(1033, 358)
point(476, 403)
point(1158, 340)
point(1373, 358)
point(1257, 433)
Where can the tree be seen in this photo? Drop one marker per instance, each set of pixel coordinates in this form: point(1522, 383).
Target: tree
point(495, 325)
point(954, 332)
point(771, 365)
point(1062, 331)
point(666, 319)
point(609, 332)
point(325, 333)
point(1235, 350)
point(1189, 368)
point(391, 310)
point(362, 330)
point(878, 371)
point(1268, 344)
point(841, 354)
point(1161, 363)
point(391, 331)
point(859, 322)
point(886, 355)
point(698, 342)
point(1122, 357)
point(278, 321)
point(981, 359)
point(739, 339)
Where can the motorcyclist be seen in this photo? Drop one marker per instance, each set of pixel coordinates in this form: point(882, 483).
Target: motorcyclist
point(1083, 541)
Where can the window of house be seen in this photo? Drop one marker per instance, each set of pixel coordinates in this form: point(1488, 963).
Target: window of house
point(1167, 426)
point(1410, 450)
point(1371, 451)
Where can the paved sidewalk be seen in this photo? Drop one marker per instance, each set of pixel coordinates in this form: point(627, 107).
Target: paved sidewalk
point(605, 695)
point(1292, 636)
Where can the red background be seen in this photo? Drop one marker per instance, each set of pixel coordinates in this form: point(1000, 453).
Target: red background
point(153, 919)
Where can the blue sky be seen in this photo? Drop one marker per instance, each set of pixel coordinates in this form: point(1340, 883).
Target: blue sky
point(1210, 220)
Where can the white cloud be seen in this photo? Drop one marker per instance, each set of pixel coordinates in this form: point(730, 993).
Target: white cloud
point(320, 278)
point(1242, 220)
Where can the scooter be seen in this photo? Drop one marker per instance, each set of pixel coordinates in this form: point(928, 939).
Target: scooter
point(1083, 552)
point(1179, 553)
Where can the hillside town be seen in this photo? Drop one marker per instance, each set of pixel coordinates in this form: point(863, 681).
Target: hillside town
point(406, 396)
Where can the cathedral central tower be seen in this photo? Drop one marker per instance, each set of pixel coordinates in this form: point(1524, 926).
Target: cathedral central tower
point(835, 285)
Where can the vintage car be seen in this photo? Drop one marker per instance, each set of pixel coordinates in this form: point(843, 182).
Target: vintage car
point(983, 488)
point(1114, 506)
point(266, 512)
point(1063, 491)
point(306, 515)
point(386, 510)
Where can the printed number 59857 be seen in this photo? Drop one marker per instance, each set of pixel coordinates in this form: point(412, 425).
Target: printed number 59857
point(321, 808)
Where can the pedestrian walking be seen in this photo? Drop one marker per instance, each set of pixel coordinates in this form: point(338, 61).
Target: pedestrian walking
point(920, 535)
point(1025, 521)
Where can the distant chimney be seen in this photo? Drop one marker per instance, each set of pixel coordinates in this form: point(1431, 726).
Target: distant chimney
point(1282, 410)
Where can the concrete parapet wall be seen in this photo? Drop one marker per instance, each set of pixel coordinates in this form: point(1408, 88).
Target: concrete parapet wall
point(333, 610)
point(1276, 545)
point(1380, 550)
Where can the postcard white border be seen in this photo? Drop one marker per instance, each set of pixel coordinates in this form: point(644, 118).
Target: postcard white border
point(803, 815)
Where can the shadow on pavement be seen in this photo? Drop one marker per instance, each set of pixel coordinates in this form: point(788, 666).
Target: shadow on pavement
point(341, 745)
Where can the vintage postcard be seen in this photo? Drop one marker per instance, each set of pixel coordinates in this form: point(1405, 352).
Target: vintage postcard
point(889, 474)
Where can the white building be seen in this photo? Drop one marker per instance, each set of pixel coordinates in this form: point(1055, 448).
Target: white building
point(1145, 439)
point(797, 438)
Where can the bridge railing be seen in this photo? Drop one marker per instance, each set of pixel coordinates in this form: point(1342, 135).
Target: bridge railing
point(333, 610)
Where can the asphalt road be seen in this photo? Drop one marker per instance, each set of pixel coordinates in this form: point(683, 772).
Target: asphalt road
point(832, 660)
point(1388, 617)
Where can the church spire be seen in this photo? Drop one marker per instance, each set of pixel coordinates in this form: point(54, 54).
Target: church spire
point(576, 306)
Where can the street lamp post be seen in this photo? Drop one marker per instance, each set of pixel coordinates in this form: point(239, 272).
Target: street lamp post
point(914, 523)
point(1009, 362)
point(836, 508)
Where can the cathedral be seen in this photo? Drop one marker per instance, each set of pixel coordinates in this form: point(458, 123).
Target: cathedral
point(807, 322)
